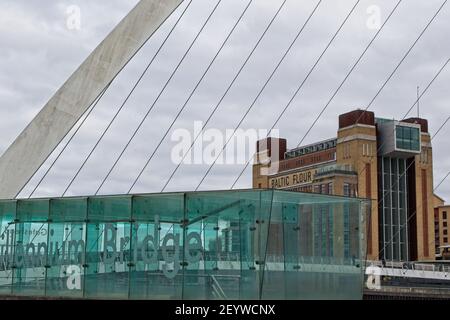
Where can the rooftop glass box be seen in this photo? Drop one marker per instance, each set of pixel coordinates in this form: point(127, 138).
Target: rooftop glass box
point(399, 139)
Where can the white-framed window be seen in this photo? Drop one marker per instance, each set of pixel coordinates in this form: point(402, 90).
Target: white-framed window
point(367, 149)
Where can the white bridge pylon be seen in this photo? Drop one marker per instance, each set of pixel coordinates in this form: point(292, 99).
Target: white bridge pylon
point(35, 144)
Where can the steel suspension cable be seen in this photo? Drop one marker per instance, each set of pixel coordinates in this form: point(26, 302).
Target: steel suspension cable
point(427, 87)
point(295, 94)
point(301, 86)
point(384, 84)
point(128, 97)
point(421, 95)
point(440, 128)
point(85, 115)
point(226, 91)
point(348, 75)
point(188, 99)
point(442, 181)
point(159, 95)
point(68, 142)
point(406, 114)
point(95, 101)
point(292, 99)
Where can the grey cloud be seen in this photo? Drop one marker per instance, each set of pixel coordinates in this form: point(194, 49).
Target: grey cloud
point(38, 53)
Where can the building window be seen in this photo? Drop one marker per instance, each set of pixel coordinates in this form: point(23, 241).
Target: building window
point(445, 223)
point(445, 232)
point(445, 240)
point(330, 188)
point(367, 149)
point(408, 138)
point(349, 190)
point(347, 151)
point(424, 156)
point(393, 209)
point(444, 215)
point(259, 185)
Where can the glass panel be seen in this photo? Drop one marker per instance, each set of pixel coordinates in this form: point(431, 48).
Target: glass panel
point(67, 243)
point(108, 247)
point(216, 219)
point(156, 246)
point(415, 139)
point(7, 216)
point(274, 281)
point(249, 282)
point(30, 252)
point(408, 138)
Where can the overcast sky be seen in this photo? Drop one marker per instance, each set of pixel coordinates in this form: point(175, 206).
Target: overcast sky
point(39, 51)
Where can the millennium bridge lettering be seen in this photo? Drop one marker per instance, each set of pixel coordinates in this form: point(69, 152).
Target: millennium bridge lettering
point(164, 254)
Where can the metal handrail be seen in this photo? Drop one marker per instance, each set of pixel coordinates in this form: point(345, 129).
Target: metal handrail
point(217, 289)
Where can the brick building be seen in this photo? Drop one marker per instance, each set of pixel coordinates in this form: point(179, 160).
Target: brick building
point(441, 219)
point(385, 160)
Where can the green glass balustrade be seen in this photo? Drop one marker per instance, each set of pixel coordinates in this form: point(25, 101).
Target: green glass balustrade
point(246, 244)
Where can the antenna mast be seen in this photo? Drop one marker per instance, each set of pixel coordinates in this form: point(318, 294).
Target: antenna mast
point(418, 102)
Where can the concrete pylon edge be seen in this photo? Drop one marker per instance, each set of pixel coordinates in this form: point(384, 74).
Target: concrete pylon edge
point(44, 133)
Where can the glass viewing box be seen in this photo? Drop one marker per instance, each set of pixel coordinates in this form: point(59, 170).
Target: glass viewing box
point(246, 244)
